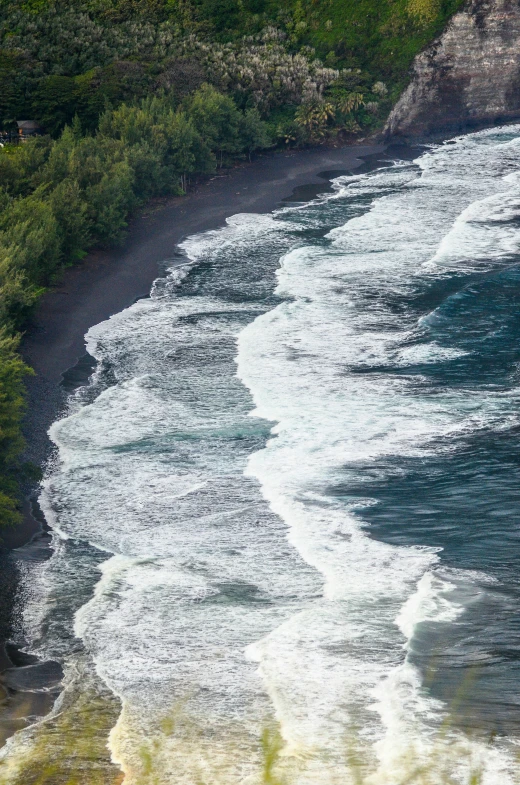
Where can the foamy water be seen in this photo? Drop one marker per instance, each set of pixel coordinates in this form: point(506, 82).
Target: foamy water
point(270, 505)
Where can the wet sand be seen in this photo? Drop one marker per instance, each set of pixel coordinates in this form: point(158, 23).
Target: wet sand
point(104, 283)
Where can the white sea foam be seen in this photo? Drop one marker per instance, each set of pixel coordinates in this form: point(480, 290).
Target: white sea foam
point(296, 360)
point(243, 582)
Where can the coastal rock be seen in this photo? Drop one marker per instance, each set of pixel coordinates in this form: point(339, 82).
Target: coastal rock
point(469, 77)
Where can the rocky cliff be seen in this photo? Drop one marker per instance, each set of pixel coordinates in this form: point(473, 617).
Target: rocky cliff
point(469, 77)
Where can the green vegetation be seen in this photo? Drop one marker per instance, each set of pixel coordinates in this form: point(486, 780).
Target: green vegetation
point(12, 372)
point(59, 197)
point(138, 97)
point(69, 748)
point(59, 59)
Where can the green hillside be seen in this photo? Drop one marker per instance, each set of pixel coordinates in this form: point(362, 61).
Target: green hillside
point(58, 58)
point(135, 98)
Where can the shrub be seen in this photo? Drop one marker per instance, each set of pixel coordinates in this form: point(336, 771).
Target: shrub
point(60, 197)
point(12, 373)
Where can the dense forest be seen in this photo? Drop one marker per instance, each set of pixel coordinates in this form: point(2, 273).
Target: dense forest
point(136, 98)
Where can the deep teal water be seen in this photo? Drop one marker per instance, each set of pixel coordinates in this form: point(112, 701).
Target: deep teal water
point(291, 489)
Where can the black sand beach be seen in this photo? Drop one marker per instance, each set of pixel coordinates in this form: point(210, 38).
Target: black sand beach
point(107, 281)
point(104, 283)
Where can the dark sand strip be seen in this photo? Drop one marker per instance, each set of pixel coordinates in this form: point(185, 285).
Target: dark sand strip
point(106, 282)
point(103, 284)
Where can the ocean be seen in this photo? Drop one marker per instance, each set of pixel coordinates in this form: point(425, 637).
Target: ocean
point(285, 507)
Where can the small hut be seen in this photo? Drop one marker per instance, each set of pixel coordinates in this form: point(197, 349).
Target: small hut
point(27, 128)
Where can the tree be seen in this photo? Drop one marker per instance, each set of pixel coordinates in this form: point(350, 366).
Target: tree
point(12, 373)
point(109, 201)
point(186, 153)
point(21, 164)
point(17, 294)
point(223, 14)
point(31, 234)
point(217, 119)
point(313, 116)
point(55, 102)
point(254, 132)
point(12, 93)
point(350, 102)
point(71, 213)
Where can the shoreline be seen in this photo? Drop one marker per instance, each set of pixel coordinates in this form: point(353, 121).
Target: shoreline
point(109, 280)
point(104, 283)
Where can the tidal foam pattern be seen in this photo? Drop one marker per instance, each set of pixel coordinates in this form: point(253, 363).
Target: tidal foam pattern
point(240, 581)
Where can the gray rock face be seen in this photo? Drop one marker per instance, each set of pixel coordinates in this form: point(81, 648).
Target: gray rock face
point(469, 77)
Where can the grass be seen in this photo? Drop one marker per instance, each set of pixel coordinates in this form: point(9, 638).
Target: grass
point(69, 748)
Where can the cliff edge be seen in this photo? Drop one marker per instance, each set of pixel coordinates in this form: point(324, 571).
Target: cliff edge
point(469, 77)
